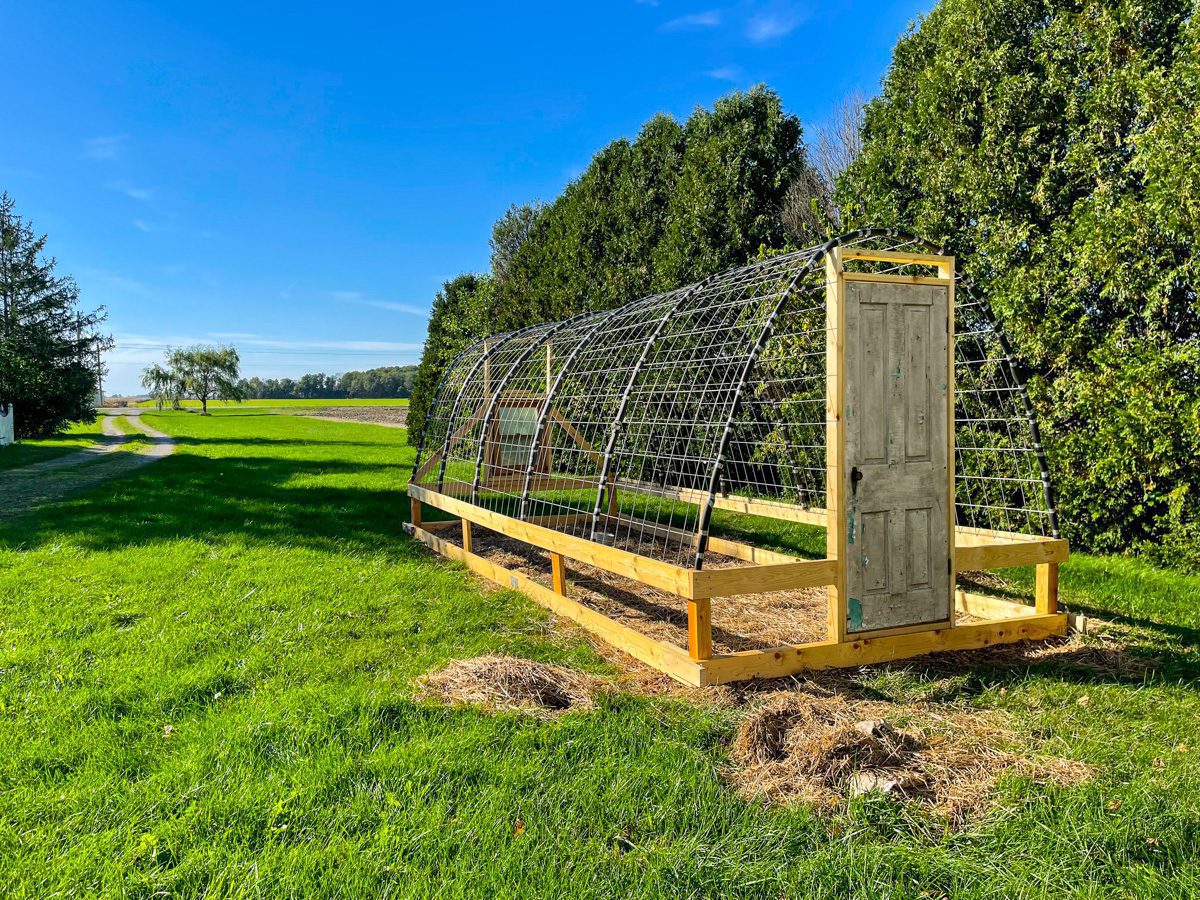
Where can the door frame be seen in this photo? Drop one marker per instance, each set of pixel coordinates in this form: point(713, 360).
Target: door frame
point(835, 405)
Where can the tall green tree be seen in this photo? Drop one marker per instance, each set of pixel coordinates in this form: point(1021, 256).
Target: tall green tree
point(1052, 144)
point(678, 203)
point(460, 316)
point(49, 348)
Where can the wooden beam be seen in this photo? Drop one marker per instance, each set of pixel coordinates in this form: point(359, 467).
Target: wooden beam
point(935, 260)
point(1045, 594)
point(985, 606)
point(755, 555)
point(787, 576)
point(467, 537)
point(558, 573)
point(414, 507)
point(700, 629)
point(1004, 554)
point(657, 574)
point(835, 440)
point(782, 661)
point(667, 659)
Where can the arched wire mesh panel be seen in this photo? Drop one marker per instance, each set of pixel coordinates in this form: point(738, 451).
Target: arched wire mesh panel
point(465, 427)
point(621, 426)
point(448, 389)
point(776, 447)
point(663, 447)
point(1001, 479)
point(592, 362)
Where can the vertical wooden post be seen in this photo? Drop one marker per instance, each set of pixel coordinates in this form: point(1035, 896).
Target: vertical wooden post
point(468, 538)
point(1045, 594)
point(946, 270)
point(558, 573)
point(415, 507)
point(835, 439)
point(612, 501)
point(700, 628)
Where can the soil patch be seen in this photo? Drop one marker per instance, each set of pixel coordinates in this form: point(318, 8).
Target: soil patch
point(744, 622)
point(390, 416)
point(510, 683)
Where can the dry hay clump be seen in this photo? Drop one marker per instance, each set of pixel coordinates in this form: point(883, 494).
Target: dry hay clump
point(821, 749)
point(510, 683)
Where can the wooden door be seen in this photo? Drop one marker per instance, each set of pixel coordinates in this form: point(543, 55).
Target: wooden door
point(896, 481)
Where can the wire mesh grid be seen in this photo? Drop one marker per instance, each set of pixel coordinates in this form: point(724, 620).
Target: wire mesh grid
point(622, 426)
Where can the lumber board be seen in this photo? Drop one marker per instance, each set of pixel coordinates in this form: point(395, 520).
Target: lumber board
point(664, 657)
point(781, 661)
point(662, 575)
point(899, 257)
point(985, 606)
point(762, 579)
point(1004, 554)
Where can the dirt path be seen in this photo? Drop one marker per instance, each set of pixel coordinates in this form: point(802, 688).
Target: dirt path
point(28, 487)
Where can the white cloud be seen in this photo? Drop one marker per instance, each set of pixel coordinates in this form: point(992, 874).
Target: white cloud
point(770, 25)
point(409, 308)
point(142, 225)
point(707, 19)
point(726, 73)
point(106, 146)
point(346, 295)
point(145, 195)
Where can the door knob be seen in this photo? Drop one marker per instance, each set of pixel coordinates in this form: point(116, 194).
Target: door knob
point(855, 478)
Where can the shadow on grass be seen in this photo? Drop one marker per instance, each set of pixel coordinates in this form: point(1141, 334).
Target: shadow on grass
point(228, 498)
point(264, 499)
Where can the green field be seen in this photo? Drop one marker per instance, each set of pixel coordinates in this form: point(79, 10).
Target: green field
point(207, 689)
point(283, 404)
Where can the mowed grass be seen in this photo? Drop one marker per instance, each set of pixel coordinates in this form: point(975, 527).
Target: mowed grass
point(207, 689)
point(284, 404)
point(26, 453)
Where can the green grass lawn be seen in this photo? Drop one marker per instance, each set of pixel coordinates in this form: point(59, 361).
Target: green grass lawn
point(284, 404)
point(25, 453)
point(207, 688)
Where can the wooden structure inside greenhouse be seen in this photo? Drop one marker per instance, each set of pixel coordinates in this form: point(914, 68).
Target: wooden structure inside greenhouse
point(803, 463)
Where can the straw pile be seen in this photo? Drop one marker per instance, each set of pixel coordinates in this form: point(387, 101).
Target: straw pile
point(509, 683)
point(823, 749)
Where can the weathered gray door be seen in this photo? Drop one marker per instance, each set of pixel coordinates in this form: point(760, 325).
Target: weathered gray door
point(895, 475)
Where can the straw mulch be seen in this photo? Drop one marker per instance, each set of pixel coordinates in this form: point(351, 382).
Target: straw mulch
point(820, 748)
point(510, 683)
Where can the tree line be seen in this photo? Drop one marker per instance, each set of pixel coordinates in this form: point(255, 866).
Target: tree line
point(1050, 144)
point(384, 382)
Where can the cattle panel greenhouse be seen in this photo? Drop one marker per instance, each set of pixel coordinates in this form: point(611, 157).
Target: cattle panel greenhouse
point(802, 463)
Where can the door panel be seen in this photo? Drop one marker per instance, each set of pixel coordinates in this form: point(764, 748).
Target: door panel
point(895, 469)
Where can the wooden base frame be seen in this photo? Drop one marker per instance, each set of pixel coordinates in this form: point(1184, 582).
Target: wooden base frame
point(1003, 621)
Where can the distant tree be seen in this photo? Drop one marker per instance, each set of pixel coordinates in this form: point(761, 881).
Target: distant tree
point(201, 372)
point(163, 385)
point(211, 373)
point(49, 349)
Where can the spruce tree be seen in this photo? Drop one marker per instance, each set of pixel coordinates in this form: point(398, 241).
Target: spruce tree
point(49, 349)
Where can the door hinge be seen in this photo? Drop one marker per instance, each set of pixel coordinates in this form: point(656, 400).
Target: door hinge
point(949, 566)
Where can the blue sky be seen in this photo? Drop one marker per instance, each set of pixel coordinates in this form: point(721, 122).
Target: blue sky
point(299, 180)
